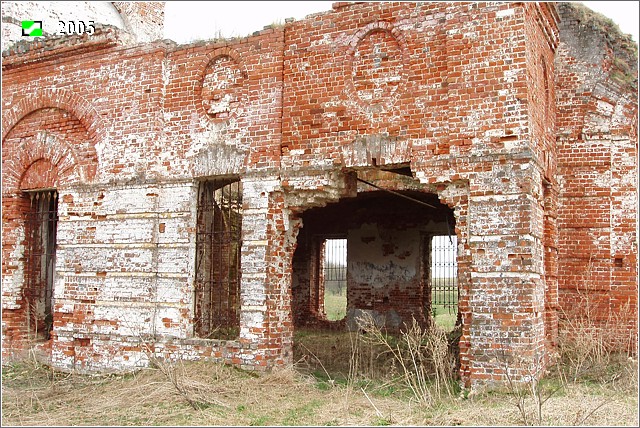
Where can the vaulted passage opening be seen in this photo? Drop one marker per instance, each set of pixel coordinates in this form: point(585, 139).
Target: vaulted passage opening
point(218, 242)
point(40, 252)
point(393, 255)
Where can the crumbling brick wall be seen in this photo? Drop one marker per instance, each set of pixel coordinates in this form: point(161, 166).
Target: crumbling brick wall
point(145, 20)
point(451, 102)
point(597, 84)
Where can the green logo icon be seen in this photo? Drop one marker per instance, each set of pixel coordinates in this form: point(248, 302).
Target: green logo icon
point(32, 28)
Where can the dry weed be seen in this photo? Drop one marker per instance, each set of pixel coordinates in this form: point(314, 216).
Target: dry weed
point(597, 349)
point(35, 395)
point(422, 356)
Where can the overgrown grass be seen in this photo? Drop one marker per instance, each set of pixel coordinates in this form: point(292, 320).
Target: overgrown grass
point(321, 389)
point(424, 363)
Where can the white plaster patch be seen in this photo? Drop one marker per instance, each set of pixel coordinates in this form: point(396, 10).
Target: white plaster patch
point(504, 13)
point(173, 259)
point(126, 288)
point(130, 320)
point(125, 231)
point(12, 284)
point(168, 321)
point(173, 289)
point(97, 259)
point(128, 200)
point(604, 108)
point(380, 276)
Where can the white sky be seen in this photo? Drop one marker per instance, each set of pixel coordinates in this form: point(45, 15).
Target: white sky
point(623, 13)
point(186, 21)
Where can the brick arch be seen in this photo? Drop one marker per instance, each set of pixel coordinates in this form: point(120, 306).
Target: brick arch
point(378, 26)
point(63, 99)
point(221, 52)
point(41, 161)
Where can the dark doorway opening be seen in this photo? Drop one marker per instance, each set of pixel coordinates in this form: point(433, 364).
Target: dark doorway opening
point(394, 265)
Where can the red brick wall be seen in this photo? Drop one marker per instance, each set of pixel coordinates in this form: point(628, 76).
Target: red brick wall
point(461, 94)
point(143, 124)
point(597, 172)
point(542, 126)
point(252, 131)
point(35, 156)
point(331, 70)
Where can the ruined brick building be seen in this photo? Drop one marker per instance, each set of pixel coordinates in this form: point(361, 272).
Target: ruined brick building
point(175, 200)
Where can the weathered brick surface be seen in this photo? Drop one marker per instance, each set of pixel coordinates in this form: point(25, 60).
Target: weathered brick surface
point(461, 95)
point(597, 120)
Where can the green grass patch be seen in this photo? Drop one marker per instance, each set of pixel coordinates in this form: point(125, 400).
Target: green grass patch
point(335, 306)
point(444, 305)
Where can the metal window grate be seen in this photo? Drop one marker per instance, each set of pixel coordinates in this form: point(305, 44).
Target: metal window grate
point(41, 225)
point(218, 243)
point(334, 277)
point(444, 273)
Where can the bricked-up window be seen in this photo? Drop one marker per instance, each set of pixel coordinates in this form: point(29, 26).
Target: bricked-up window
point(218, 242)
point(41, 225)
point(442, 278)
point(333, 278)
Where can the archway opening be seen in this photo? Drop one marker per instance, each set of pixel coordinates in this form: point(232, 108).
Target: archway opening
point(389, 256)
point(393, 255)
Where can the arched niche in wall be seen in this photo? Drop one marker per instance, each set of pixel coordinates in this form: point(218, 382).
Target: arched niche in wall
point(223, 87)
point(376, 66)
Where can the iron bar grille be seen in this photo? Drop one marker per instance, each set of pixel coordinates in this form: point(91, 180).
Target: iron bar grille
point(41, 225)
point(218, 243)
point(335, 265)
point(334, 277)
point(444, 273)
